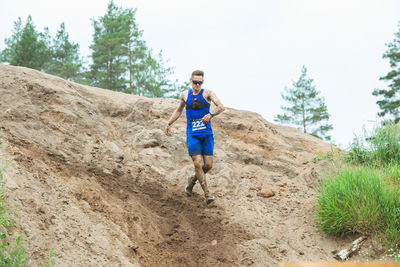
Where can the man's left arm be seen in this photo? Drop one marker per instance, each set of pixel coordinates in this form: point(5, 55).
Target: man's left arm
point(219, 107)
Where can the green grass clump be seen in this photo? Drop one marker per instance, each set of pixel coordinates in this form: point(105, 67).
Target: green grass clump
point(361, 200)
point(386, 144)
point(349, 202)
point(392, 175)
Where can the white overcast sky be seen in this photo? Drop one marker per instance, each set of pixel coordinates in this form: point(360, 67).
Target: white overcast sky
point(250, 50)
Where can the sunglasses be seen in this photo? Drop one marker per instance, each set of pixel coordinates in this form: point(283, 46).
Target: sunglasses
point(197, 82)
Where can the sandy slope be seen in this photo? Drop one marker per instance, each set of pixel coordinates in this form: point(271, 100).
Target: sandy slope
point(92, 176)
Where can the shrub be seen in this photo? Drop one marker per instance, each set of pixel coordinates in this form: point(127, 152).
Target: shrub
point(358, 153)
point(386, 144)
point(382, 147)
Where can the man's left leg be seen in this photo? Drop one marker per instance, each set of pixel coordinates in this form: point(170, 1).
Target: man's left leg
point(197, 161)
point(208, 150)
point(207, 165)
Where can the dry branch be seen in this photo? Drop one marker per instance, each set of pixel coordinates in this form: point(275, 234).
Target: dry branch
point(346, 253)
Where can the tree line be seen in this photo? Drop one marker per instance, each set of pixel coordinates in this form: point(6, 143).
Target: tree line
point(120, 58)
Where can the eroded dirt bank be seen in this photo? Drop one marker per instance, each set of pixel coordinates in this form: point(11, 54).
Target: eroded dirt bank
point(92, 176)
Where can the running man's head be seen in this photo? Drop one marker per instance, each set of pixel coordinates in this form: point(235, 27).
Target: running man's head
point(197, 79)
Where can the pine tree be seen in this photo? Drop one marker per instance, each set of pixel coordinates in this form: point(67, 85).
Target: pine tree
point(27, 47)
point(65, 62)
point(137, 53)
point(9, 52)
point(306, 109)
point(148, 74)
point(121, 59)
point(152, 76)
point(390, 104)
point(111, 34)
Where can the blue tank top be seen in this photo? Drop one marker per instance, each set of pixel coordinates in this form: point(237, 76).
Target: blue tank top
point(196, 108)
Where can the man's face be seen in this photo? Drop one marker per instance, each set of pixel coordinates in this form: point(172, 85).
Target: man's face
point(195, 82)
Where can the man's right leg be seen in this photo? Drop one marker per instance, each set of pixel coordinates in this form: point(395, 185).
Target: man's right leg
point(194, 149)
point(189, 186)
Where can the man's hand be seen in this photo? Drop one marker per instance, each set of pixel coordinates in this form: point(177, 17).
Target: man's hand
point(206, 118)
point(168, 130)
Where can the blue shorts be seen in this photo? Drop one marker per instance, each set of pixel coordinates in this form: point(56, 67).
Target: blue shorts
point(200, 144)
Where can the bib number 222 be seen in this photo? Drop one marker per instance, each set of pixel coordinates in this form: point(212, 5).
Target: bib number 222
point(197, 125)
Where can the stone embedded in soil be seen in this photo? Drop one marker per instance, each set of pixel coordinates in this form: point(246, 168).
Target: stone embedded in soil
point(10, 183)
point(265, 192)
point(214, 242)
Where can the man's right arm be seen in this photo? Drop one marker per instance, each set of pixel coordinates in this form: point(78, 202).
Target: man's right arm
point(175, 115)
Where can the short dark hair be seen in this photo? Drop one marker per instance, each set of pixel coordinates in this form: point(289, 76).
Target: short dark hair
point(198, 73)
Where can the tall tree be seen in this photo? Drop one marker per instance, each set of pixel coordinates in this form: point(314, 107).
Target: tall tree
point(27, 47)
point(137, 53)
point(306, 109)
point(109, 49)
point(9, 51)
point(65, 61)
point(148, 75)
point(121, 59)
point(390, 104)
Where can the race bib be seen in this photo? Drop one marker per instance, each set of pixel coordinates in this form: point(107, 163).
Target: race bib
point(197, 125)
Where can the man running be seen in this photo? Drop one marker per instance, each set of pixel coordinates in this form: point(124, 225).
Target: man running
point(199, 134)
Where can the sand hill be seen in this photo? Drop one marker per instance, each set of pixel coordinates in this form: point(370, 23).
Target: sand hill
point(91, 174)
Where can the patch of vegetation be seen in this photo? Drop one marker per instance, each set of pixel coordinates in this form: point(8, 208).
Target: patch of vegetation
point(321, 156)
point(363, 196)
point(382, 147)
point(331, 156)
point(12, 251)
point(11, 247)
point(50, 261)
point(360, 200)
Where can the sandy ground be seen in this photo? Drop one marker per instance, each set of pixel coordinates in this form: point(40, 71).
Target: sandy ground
point(91, 174)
